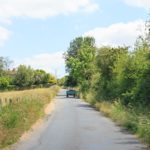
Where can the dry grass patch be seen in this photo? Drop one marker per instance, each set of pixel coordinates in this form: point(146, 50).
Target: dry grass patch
point(16, 118)
point(104, 107)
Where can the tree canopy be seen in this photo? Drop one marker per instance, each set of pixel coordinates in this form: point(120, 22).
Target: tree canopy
point(79, 61)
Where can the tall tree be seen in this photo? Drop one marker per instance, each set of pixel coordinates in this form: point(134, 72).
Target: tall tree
point(24, 76)
point(79, 61)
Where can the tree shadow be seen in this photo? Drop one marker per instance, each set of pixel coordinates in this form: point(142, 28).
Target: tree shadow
point(85, 106)
point(130, 141)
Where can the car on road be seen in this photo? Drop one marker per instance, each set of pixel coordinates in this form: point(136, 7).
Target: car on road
point(71, 92)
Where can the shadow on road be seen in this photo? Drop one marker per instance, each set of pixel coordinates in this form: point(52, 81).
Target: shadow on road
point(129, 140)
point(85, 106)
point(61, 94)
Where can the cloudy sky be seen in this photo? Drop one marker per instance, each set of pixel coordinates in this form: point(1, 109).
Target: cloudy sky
point(37, 32)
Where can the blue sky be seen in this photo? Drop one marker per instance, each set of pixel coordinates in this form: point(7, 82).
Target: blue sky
point(37, 32)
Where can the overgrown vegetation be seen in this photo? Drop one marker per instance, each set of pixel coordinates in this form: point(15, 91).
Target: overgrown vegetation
point(18, 117)
point(135, 119)
point(116, 76)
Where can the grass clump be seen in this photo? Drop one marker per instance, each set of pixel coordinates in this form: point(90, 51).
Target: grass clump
point(17, 118)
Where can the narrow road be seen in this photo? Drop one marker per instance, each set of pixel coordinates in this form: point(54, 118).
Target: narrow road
point(74, 125)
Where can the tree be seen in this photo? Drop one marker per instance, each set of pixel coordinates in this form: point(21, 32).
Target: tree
point(105, 62)
point(39, 76)
point(24, 76)
point(79, 61)
point(70, 81)
point(4, 65)
point(52, 79)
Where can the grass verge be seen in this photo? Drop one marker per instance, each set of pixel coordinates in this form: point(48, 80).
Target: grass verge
point(135, 119)
point(17, 118)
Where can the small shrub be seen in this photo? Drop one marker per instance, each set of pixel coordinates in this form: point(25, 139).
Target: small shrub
point(4, 82)
point(144, 129)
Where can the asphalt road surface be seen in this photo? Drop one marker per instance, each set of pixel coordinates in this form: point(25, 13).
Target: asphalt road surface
point(74, 125)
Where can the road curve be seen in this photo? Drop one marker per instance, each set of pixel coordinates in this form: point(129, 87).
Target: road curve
point(74, 125)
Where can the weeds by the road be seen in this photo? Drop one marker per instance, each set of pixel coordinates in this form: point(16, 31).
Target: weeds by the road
point(18, 117)
point(134, 119)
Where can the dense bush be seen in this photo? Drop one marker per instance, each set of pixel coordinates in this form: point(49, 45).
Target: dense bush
point(122, 74)
point(4, 82)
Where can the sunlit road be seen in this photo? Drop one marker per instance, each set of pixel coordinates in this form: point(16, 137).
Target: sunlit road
point(74, 125)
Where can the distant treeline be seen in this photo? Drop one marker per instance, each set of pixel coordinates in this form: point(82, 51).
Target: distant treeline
point(110, 73)
point(23, 77)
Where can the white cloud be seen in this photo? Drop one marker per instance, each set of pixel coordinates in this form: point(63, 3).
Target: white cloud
point(43, 8)
point(139, 3)
point(4, 20)
point(40, 9)
point(4, 35)
point(118, 34)
point(50, 62)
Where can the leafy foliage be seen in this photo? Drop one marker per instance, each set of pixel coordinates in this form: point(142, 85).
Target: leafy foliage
point(79, 62)
point(4, 82)
point(105, 61)
point(111, 73)
point(23, 77)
